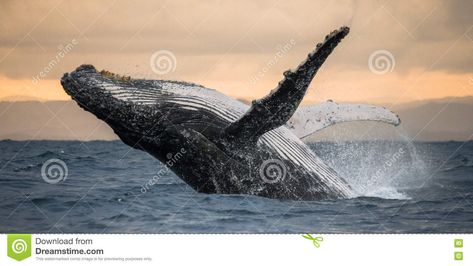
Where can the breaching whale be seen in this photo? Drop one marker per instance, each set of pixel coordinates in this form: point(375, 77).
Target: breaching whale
point(227, 146)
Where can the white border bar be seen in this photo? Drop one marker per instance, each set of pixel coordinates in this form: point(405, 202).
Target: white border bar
point(249, 249)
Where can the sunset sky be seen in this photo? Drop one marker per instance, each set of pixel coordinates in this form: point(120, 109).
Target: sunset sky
point(236, 47)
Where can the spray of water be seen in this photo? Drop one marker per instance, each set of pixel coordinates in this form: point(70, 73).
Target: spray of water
point(380, 168)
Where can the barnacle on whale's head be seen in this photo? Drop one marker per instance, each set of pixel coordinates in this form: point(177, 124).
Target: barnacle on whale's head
point(114, 76)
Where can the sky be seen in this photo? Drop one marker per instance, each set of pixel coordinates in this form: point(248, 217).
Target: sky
point(397, 51)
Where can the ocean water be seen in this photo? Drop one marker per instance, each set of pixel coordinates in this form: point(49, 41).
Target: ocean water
point(402, 188)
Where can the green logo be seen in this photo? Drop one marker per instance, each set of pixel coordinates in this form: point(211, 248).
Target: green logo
point(458, 255)
point(458, 243)
point(19, 246)
point(315, 240)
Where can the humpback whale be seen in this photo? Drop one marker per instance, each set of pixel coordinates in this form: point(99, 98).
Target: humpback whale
point(227, 147)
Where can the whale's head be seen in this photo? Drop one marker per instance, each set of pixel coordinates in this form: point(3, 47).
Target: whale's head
point(90, 88)
point(106, 95)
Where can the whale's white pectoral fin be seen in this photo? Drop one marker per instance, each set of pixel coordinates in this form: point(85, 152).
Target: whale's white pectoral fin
point(310, 119)
point(275, 109)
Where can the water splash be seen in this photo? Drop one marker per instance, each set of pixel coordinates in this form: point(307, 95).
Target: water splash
point(381, 168)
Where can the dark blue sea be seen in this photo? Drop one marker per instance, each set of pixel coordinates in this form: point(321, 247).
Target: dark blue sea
point(403, 188)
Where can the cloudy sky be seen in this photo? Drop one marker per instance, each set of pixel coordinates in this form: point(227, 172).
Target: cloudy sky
point(419, 49)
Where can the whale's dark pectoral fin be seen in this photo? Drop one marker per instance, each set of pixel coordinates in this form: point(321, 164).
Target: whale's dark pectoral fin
point(275, 109)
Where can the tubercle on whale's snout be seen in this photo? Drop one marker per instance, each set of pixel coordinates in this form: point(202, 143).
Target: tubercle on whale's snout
point(85, 68)
point(80, 85)
point(66, 83)
point(70, 81)
point(114, 76)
